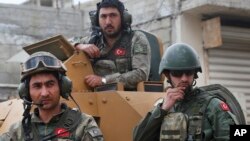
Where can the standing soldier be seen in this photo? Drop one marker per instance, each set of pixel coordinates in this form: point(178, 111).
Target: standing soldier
point(118, 54)
point(43, 81)
point(186, 113)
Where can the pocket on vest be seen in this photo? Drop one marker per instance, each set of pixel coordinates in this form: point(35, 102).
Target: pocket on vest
point(174, 127)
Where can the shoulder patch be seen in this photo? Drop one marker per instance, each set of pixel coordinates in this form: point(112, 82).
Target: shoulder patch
point(94, 132)
point(224, 106)
point(140, 49)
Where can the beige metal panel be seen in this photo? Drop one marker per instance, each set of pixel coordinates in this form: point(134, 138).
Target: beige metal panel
point(118, 111)
point(15, 111)
point(79, 66)
point(57, 45)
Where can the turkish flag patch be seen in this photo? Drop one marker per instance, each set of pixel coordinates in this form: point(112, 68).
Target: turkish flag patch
point(62, 132)
point(120, 52)
point(224, 106)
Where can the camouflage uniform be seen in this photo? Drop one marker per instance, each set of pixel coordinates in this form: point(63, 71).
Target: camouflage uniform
point(128, 61)
point(86, 130)
point(214, 124)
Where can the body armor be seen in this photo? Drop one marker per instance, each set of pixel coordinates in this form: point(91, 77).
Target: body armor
point(117, 59)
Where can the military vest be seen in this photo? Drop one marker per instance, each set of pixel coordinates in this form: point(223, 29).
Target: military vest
point(186, 122)
point(64, 128)
point(117, 59)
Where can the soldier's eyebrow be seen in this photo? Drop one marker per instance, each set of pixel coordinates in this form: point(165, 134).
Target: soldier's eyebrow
point(50, 81)
point(46, 82)
point(107, 14)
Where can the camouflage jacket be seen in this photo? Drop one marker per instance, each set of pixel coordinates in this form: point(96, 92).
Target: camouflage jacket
point(86, 130)
point(215, 124)
point(128, 61)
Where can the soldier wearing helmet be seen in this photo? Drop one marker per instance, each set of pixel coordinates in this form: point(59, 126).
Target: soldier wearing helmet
point(118, 54)
point(185, 113)
point(43, 81)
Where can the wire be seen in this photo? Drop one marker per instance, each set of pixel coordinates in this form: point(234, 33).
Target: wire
point(75, 103)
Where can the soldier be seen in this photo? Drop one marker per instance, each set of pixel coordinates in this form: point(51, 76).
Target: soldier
point(118, 54)
point(186, 113)
point(43, 81)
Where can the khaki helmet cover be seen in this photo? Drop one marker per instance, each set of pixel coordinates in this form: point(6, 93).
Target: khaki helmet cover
point(40, 62)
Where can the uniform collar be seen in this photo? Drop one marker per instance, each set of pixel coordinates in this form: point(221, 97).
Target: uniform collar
point(36, 118)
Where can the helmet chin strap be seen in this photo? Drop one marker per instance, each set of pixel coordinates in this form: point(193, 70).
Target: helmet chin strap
point(194, 82)
point(170, 82)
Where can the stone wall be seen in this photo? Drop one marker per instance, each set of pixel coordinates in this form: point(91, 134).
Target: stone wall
point(22, 25)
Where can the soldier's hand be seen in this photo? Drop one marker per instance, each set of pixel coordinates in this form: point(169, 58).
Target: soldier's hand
point(93, 80)
point(91, 49)
point(172, 96)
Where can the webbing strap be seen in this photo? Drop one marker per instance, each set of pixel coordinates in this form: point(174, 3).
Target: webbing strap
point(69, 121)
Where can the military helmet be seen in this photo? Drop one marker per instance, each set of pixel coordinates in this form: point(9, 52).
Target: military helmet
point(111, 3)
point(126, 18)
point(180, 56)
point(40, 62)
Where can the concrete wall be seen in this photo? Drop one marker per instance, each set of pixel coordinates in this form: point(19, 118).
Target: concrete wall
point(241, 4)
point(189, 27)
point(23, 25)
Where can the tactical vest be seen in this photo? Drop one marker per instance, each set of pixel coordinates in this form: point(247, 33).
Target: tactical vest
point(119, 55)
point(66, 126)
point(186, 123)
